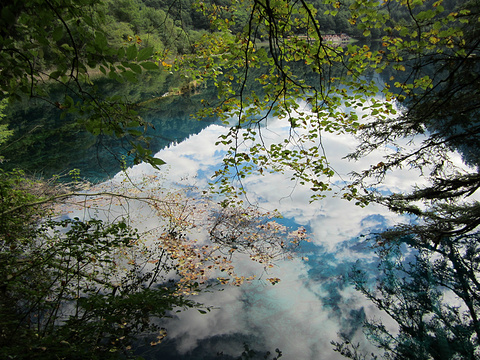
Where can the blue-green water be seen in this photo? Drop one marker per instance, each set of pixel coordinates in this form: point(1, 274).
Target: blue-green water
point(46, 145)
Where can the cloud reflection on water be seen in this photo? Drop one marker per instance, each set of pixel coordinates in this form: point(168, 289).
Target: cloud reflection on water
point(314, 300)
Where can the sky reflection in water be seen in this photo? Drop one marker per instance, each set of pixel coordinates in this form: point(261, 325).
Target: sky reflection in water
point(314, 301)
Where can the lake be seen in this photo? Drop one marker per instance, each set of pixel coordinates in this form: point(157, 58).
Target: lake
point(314, 301)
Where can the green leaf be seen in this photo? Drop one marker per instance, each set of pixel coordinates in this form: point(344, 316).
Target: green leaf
point(135, 132)
point(147, 65)
point(136, 68)
point(69, 101)
point(67, 47)
point(155, 162)
point(145, 53)
point(131, 52)
point(56, 74)
point(114, 76)
point(133, 124)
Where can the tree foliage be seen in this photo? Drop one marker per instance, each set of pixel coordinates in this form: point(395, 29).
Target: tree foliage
point(418, 86)
point(69, 287)
point(266, 58)
point(88, 286)
point(80, 281)
point(61, 42)
point(433, 298)
point(429, 290)
point(296, 63)
point(423, 56)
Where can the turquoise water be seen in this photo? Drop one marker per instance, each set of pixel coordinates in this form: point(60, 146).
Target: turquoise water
point(46, 145)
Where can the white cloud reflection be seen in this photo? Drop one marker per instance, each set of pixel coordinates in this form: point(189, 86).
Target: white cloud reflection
point(313, 302)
